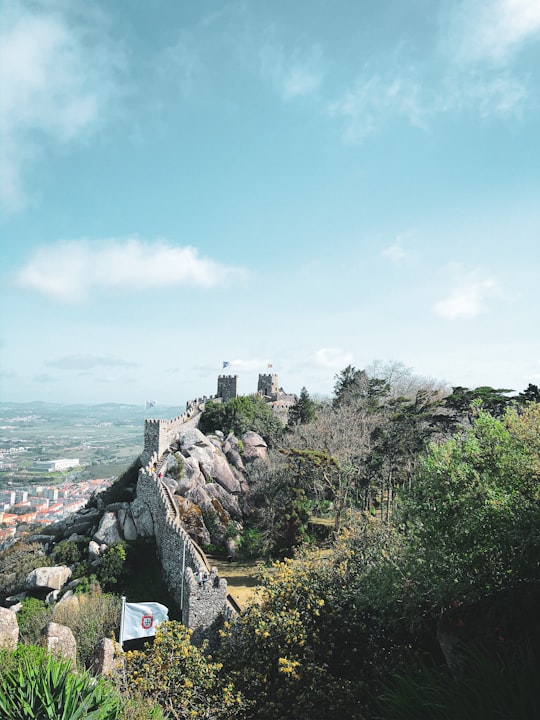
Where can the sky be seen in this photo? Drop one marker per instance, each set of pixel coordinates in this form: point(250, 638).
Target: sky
point(305, 184)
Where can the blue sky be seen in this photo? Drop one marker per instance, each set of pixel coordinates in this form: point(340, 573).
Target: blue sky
point(310, 184)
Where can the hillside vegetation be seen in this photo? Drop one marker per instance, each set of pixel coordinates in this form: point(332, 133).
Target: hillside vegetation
point(417, 597)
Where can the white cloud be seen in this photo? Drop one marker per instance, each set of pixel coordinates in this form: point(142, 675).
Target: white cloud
point(69, 271)
point(296, 74)
point(373, 100)
point(492, 31)
point(396, 252)
point(55, 77)
point(468, 299)
point(333, 358)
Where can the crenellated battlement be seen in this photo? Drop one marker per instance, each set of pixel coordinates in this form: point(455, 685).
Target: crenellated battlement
point(198, 590)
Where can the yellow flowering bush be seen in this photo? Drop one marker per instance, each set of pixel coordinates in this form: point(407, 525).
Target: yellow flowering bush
point(181, 679)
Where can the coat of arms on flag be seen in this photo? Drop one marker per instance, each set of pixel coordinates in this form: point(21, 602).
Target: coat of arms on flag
point(140, 620)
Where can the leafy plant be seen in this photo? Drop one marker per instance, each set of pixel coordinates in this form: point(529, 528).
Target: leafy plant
point(37, 685)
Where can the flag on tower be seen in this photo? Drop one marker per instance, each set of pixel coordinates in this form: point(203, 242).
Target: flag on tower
point(139, 620)
point(226, 364)
point(269, 365)
point(150, 404)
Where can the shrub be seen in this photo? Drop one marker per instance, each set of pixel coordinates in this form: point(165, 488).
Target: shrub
point(111, 566)
point(97, 616)
point(66, 553)
point(32, 618)
point(181, 679)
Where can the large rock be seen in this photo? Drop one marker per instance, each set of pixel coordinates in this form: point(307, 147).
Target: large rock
point(228, 501)
point(51, 578)
point(127, 525)
point(221, 472)
point(192, 517)
point(254, 447)
point(59, 641)
point(195, 444)
point(9, 629)
point(103, 660)
point(108, 530)
point(142, 518)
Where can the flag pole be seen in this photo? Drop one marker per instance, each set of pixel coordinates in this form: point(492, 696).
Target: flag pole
point(122, 622)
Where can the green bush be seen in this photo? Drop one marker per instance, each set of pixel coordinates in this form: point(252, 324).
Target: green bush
point(32, 618)
point(111, 566)
point(36, 685)
point(66, 553)
point(97, 616)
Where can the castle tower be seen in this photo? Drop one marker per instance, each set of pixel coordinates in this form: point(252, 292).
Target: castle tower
point(268, 385)
point(227, 387)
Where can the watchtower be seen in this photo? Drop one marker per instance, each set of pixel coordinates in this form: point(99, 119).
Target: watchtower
point(268, 385)
point(227, 387)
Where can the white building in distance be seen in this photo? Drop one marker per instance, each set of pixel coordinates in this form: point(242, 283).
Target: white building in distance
point(55, 465)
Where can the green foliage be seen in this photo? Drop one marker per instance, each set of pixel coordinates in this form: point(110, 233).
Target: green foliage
point(307, 649)
point(32, 618)
point(303, 410)
point(16, 562)
point(36, 685)
point(181, 679)
point(247, 412)
point(66, 553)
point(96, 616)
point(483, 687)
point(111, 566)
point(280, 507)
point(472, 514)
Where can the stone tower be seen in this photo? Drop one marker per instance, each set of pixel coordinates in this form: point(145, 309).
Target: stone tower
point(268, 385)
point(227, 387)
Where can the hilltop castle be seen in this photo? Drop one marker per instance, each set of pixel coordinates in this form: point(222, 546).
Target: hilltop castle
point(267, 387)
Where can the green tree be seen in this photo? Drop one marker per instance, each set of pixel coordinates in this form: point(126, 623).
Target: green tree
point(247, 412)
point(303, 410)
point(472, 513)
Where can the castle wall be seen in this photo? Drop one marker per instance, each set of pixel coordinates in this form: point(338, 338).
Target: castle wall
point(203, 604)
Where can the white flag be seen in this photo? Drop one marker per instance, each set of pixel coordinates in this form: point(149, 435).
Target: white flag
point(150, 404)
point(141, 619)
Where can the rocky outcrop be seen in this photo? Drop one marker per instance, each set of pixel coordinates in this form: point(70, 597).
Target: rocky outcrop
point(59, 641)
point(9, 629)
point(108, 531)
point(48, 578)
point(103, 661)
point(254, 447)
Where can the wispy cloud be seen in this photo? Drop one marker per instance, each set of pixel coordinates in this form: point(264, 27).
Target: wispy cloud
point(56, 79)
point(87, 362)
point(333, 358)
point(469, 298)
point(491, 31)
point(70, 271)
point(293, 74)
point(396, 252)
point(376, 99)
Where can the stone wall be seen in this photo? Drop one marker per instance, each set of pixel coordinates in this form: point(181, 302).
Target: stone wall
point(197, 589)
point(159, 434)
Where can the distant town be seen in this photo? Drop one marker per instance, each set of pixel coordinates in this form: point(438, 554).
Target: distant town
point(53, 458)
point(44, 504)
